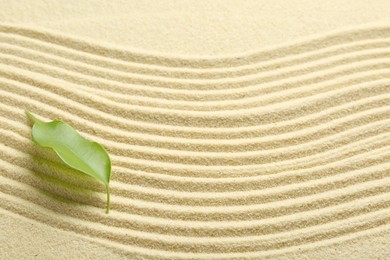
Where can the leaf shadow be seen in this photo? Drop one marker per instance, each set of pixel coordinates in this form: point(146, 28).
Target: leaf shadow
point(67, 188)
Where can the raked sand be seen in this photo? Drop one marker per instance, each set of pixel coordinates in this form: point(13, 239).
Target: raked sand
point(237, 129)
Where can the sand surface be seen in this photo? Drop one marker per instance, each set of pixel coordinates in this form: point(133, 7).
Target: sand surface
point(256, 129)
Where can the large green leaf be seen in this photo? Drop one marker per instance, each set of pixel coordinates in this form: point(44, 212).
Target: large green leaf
point(76, 151)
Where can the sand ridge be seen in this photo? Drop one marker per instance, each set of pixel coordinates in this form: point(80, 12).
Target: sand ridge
point(261, 154)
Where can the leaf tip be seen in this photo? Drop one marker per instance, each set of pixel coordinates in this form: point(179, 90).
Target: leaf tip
point(31, 116)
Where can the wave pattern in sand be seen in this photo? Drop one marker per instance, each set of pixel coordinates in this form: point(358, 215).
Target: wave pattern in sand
point(257, 154)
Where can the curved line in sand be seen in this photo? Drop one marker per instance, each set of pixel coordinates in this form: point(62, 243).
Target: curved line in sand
point(290, 139)
point(242, 104)
point(237, 118)
point(309, 234)
point(227, 185)
point(293, 47)
point(315, 177)
point(290, 156)
point(330, 190)
point(188, 130)
point(161, 84)
point(132, 251)
point(135, 222)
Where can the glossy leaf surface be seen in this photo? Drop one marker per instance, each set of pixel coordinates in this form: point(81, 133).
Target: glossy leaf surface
point(76, 151)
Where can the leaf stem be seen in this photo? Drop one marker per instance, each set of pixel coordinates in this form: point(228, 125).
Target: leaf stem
point(108, 198)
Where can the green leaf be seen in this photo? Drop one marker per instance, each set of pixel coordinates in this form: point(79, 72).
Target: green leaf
point(76, 151)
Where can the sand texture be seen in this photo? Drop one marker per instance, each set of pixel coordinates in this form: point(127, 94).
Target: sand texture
point(236, 131)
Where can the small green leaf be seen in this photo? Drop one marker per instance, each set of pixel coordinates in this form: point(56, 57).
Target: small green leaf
point(76, 151)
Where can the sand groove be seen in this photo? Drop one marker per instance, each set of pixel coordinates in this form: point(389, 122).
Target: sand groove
point(255, 154)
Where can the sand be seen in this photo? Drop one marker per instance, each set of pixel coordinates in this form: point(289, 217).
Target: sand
point(255, 130)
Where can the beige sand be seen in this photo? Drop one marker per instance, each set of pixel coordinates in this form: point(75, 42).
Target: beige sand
point(236, 130)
